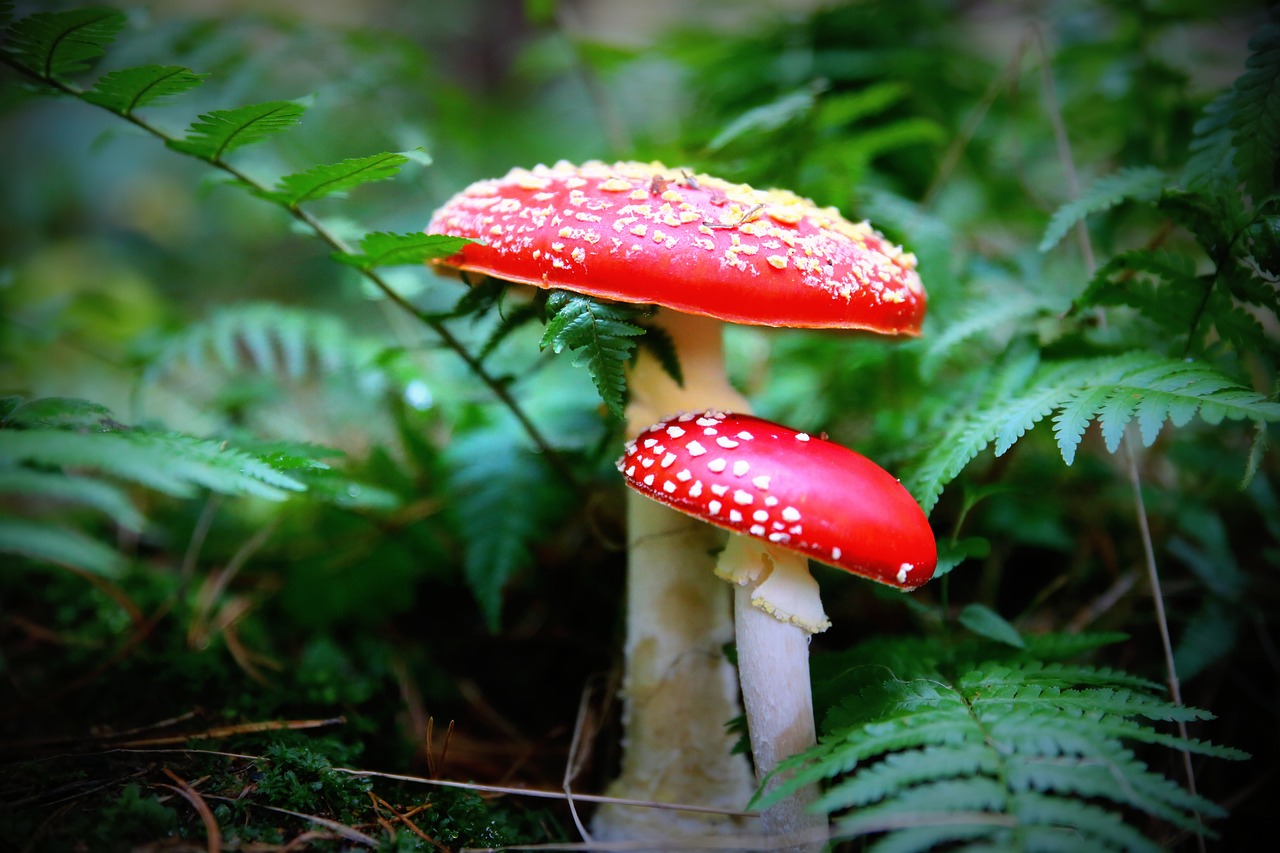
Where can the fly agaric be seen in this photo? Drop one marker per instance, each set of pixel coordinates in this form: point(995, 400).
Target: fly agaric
point(788, 497)
point(706, 252)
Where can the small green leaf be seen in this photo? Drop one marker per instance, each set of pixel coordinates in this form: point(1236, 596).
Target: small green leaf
point(58, 411)
point(53, 44)
point(767, 117)
point(38, 540)
point(602, 337)
point(335, 178)
point(29, 486)
point(952, 554)
point(125, 91)
point(985, 622)
point(1103, 194)
point(382, 249)
point(218, 133)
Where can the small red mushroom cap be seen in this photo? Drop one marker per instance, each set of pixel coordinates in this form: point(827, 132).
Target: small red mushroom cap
point(643, 233)
point(764, 480)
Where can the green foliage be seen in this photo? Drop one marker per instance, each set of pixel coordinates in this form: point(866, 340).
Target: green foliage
point(992, 744)
point(602, 337)
point(1114, 390)
point(220, 132)
point(125, 91)
point(56, 44)
point(1103, 194)
point(336, 178)
point(1255, 114)
point(380, 249)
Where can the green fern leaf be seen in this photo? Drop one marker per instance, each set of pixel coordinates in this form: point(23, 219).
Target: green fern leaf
point(172, 464)
point(58, 412)
point(32, 488)
point(381, 249)
point(766, 118)
point(985, 622)
point(602, 336)
point(218, 133)
point(1208, 167)
point(1083, 826)
point(1255, 113)
point(54, 44)
point(124, 91)
point(658, 342)
point(336, 178)
point(1139, 184)
point(503, 501)
point(63, 546)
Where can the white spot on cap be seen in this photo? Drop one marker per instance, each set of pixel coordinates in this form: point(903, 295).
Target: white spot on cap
point(743, 498)
point(802, 436)
point(684, 475)
point(735, 516)
point(717, 465)
point(696, 489)
point(675, 431)
point(648, 479)
point(719, 489)
point(647, 462)
point(668, 460)
point(760, 515)
point(835, 553)
point(903, 570)
point(695, 449)
point(726, 442)
point(705, 421)
point(710, 431)
point(650, 442)
point(757, 530)
point(668, 486)
point(631, 470)
point(790, 513)
point(761, 482)
point(713, 508)
point(779, 537)
point(770, 500)
point(745, 436)
point(741, 467)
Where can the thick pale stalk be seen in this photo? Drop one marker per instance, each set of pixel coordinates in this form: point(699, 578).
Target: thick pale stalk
point(678, 689)
point(773, 663)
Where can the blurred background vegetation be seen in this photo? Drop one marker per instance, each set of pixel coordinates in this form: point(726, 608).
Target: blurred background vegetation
point(439, 571)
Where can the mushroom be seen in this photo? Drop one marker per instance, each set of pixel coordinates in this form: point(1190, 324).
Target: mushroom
point(706, 252)
point(789, 498)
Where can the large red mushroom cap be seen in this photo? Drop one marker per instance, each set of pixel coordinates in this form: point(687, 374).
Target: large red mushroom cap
point(767, 481)
point(644, 233)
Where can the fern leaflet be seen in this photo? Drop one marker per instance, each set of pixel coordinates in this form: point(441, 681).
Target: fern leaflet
point(1103, 194)
point(1111, 389)
point(218, 133)
point(32, 488)
point(601, 334)
point(122, 92)
point(336, 178)
point(382, 249)
point(1255, 113)
point(1001, 752)
point(45, 542)
point(53, 44)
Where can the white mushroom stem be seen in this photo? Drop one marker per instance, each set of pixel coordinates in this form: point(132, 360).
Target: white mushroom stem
point(678, 689)
point(777, 608)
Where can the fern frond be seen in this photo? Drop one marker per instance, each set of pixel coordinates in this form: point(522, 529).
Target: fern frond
point(1137, 184)
point(1208, 167)
point(1109, 389)
point(55, 44)
point(382, 249)
point(33, 488)
point(45, 542)
point(124, 91)
point(268, 338)
point(169, 463)
point(1255, 113)
point(601, 334)
point(216, 134)
point(766, 118)
point(984, 318)
point(503, 499)
point(57, 412)
point(336, 178)
point(1014, 754)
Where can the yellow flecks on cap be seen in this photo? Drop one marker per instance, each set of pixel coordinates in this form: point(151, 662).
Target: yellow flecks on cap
point(705, 243)
point(566, 231)
point(557, 247)
point(639, 195)
point(671, 195)
point(528, 181)
point(615, 185)
point(687, 216)
point(640, 230)
point(789, 215)
point(496, 229)
point(705, 229)
point(578, 254)
point(894, 296)
point(777, 262)
point(658, 236)
point(583, 216)
point(574, 183)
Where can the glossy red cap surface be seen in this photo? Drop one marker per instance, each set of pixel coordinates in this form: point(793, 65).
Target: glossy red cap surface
point(644, 233)
point(761, 479)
